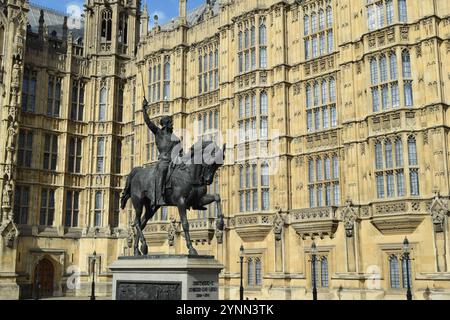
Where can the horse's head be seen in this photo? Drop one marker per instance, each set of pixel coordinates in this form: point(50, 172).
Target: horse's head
point(213, 159)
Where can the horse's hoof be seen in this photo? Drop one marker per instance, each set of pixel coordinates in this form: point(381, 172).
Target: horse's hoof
point(193, 252)
point(144, 250)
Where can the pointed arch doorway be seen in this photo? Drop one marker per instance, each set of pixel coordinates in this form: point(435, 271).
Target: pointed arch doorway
point(44, 274)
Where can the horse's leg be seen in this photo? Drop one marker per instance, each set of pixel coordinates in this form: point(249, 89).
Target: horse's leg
point(210, 198)
point(138, 206)
point(149, 213)
point(184, 222)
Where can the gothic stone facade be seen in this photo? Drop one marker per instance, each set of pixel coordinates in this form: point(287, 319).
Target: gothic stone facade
point(355, 92)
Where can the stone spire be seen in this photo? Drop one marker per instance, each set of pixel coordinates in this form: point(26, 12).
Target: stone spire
point(144, 21)
point(41, 25)
point(183, 14)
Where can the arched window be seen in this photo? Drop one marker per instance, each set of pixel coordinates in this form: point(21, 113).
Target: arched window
point(373, 71)
point(241, 178)
point(264, 175)
point(388, 154)
point(329, 17)
point(264, 103)
point(324, 272)
point(252, 36)
point(210, 120)
point(394, 272)
point(247, 177)
point(313, 23)
point(216, 119)
point(406, 273)
point(406, 64)
point(247, 38)
point(383, 68)
point(327, 168)
point(322, 45)
point(102, 109)
point(308, 95)
point(240, 40)
point(412, 151)
point(123, 28)
point(241, 108)
point(393, 65)
point(311, 197)
point(199, 125)
point(250, 272)
point(389, 12)
point(306, 25)
point(211, 60)
point(120, 105)
point(335, 167)
point(98, 209)
point(316, 93)
point(311, 171)
point(330, 41)
point(398, 152)
point(319, 176)
point(332, 90)
point(262, 34)
point(402, 11)
point(258, 274)
point(378, 156)
point(106, 31)
point(407, 88)
point(324, 92)
point(167, 80)
point(247, 106)
point(321, 19)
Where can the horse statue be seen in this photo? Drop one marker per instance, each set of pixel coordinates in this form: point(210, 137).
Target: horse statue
point(183, 190)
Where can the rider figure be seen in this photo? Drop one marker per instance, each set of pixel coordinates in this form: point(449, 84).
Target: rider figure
point(165, 142)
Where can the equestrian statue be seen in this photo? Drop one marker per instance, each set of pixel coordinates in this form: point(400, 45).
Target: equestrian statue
point(176, 180)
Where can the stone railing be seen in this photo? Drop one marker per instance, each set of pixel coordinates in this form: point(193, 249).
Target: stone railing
point(157, 231)
point(313, 222)
point(202, 230)
point(253, 227)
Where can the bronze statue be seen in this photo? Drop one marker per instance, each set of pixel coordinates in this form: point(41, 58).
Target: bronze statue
point(178, 180)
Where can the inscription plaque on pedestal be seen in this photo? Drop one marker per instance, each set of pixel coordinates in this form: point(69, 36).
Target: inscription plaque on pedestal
point(127, 290)
point(166, 277)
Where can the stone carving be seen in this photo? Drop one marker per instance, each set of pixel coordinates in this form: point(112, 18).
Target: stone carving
point(278, 224)
point(7, 194)
point(349, 217)
point(439, 211)
point(9, 232)
point(172, 232)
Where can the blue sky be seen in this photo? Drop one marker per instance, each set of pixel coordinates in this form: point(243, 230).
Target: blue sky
point(165, 9)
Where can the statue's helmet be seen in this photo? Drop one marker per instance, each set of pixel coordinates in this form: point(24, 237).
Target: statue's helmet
point(166, 122)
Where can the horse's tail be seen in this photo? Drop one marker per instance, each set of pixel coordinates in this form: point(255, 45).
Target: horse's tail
point(126, 195)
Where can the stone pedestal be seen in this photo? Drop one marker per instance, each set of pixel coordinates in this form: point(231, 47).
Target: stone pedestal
point(166, 277)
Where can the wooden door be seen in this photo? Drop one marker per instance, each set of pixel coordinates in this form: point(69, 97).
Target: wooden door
point(44, 273)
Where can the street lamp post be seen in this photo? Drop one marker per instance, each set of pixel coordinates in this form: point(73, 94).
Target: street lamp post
point(406, 257)
point(94, 258)
point(313, 261)
point(241, 259)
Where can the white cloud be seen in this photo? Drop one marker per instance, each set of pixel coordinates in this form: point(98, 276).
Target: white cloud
point(161, 16)
point(74, 11)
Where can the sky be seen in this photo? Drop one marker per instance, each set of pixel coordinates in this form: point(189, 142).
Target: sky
point(165, 9)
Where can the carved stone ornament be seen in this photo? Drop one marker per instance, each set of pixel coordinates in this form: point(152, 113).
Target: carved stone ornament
point(172, 232)
point(220, 227)
point(349, 217)
point(438, 211)
point(9, 233)
point(278, 224)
